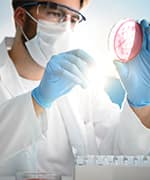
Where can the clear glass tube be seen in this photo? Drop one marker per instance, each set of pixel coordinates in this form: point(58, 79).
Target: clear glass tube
point(37, 176)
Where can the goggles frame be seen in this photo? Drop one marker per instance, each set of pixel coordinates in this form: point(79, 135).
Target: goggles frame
point(52, 4)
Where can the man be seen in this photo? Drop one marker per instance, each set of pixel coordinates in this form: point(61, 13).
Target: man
point(48, 113)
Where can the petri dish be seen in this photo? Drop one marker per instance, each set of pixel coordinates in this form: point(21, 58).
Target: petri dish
point(125, 40)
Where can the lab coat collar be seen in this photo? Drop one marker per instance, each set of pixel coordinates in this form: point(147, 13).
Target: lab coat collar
point(8, 73)
point(4, 46)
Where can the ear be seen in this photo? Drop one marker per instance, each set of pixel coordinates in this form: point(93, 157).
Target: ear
point(20, 16)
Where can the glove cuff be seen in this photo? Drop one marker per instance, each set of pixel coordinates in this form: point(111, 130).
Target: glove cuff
point(39, 99)
point(138, 104)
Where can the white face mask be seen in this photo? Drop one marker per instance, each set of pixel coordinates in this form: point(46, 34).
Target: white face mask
point(50, 39)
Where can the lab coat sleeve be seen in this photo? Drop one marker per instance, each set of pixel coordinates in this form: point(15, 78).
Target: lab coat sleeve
point(19, 125)
point(119, 131)
point(132, 137)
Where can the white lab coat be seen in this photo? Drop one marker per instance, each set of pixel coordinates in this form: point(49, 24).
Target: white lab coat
point(81, 122)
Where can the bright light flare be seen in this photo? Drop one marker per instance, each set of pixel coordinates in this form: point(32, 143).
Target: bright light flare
point(94, 46)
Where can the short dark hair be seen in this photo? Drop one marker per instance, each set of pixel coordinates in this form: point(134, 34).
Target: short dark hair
point(16, 3)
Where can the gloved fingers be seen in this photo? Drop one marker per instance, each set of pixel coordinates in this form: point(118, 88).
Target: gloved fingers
point(75, 71)
point(74, 79)
point(145, 27)
point(84, 56)
point(122, 69)
point(147, 34)
point(80, 64)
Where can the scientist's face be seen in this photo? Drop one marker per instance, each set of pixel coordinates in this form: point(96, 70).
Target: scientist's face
point(29, 26)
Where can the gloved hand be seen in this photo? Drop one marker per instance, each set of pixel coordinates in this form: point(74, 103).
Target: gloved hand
point(62, 73)
point(135, 74)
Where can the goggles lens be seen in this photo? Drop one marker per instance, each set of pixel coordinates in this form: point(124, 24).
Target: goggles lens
point(55, 12)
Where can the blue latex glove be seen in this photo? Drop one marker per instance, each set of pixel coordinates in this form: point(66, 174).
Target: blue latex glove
point(135, 75)
point(62, 73)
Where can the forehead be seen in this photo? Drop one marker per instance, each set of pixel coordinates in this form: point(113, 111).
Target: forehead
point(75, 4)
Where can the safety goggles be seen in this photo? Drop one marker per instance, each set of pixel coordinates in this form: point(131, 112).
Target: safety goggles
point(55, 12)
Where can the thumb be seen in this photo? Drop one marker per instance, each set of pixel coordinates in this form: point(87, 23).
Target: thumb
point(145, 26)
point(122, 69)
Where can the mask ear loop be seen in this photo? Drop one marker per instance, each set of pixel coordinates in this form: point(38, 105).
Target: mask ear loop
point(34, 19)
point(21, 29)
point(25, 36)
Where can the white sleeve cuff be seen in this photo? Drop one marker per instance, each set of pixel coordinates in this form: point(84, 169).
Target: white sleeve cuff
point(134, 137)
